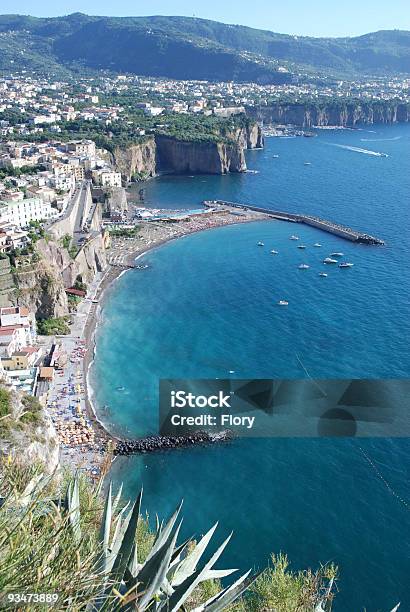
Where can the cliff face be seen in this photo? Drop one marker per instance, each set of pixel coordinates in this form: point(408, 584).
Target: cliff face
point(136, 159)
point(88, 261)
point(30, 442)
point(254, 136)
point(346, 115)
point(40, 288)
point(169, 154)
point(182, 157)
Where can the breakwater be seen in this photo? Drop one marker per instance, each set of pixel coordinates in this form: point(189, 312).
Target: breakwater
point(160, 443)
point(323, 224)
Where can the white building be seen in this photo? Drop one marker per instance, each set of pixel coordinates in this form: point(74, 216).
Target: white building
point(107, 178)
point(20, 213)
point(82, 147)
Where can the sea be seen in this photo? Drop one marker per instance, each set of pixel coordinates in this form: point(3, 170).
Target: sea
point(207, 308)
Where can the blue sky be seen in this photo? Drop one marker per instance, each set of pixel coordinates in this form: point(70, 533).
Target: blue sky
point(306, 17)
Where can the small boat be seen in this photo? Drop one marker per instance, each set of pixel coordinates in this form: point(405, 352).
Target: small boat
point(329, 260)
point(274, 252)
point(294, 237)
point(141, 266)
point(275, 156)
point(283, 303)
point(120, 388)
point(322, 274)
point(307, 163)
point(317, 244)
point(261, 243)
point(301, 246)
point(346, 264)
point(336, 254)
point(304, 267)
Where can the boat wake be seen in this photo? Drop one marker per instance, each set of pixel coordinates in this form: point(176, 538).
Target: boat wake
point(359, 150)
point(379, 139)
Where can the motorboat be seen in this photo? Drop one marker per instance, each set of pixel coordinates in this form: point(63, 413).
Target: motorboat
point(274, 252)
point(317, 244)
point(329, 260)
point(336, 254)
point(322, 274)
point(346, 264)
point(304, 267)
point(261, 243)
point(301, 246)
point(307, 163)
point(294, 237)
point(283, 303)
point(275, 156)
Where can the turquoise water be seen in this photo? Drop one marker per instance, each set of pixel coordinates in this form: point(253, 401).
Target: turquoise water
point(206, 306)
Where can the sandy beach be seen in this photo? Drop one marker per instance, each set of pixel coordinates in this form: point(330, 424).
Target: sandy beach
point(84, 441)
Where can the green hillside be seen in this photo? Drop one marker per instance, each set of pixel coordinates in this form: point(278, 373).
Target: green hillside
point(188, 48)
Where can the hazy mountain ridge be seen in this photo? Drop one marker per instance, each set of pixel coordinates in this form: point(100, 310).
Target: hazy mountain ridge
point(184, 47)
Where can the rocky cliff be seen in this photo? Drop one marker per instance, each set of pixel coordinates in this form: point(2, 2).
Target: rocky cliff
point(40, 288)
point(337, 114)
point(189, 157)
point(27, 433)
point(88, 261)
point(136, 159)
point(179, 156)
point(41, 285)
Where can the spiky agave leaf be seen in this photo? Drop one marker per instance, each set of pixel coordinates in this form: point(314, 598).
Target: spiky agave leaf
point(127, 542)
point(226, 597)
point(117, 499)
point(184, 590)
point(72, 506)
point(104, 534)
point(164, 532)
point(154, 571)
point(188, 566)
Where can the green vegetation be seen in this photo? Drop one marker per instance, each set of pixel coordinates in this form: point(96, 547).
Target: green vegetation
point(189, 48)
point(32, 410)
point(66, 241)
point(123, 232)
point(11, 419)
point(80, 284)
point(17, 172)
point(189, 128)
point(4, 403)
point(103, 555)
point(53, 326)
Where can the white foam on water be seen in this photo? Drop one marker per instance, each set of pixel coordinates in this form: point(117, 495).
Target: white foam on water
point(358, 150)
point(379, 139)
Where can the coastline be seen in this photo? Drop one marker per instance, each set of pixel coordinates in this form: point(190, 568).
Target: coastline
point(135, 249)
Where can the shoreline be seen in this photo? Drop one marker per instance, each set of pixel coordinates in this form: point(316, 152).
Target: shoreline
point(115, 271)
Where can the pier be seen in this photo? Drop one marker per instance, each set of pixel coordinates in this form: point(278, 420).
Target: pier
point(152, 444)
point(325, 225)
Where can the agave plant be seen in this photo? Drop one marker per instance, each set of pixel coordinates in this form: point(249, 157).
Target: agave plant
point(170, 573)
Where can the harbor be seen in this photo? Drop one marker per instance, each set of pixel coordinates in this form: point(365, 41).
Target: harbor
point(325, 225)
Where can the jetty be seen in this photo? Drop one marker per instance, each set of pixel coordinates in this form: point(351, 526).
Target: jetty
point(323, 224)
point(151, 444)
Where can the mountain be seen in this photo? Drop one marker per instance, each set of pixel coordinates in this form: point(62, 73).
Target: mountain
point(190, 48)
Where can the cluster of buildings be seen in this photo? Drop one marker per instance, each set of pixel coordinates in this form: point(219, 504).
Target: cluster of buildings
point(19, 356)
point(223, 99)
point(43, 105)
point(41, 182)
point(33, 105)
